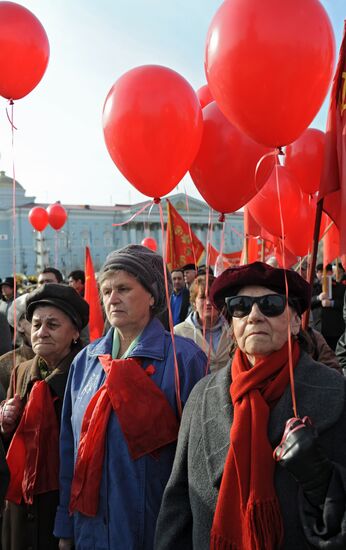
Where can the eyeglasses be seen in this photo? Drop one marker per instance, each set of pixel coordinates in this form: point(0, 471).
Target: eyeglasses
point(271, 305)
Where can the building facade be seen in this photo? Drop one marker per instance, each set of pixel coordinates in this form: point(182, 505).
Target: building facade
point(93, 226)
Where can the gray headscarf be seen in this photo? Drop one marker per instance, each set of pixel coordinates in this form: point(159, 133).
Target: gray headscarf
point(146, 266)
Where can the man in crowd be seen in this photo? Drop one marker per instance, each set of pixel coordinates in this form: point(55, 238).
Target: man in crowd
point(50, 275)
point(190, 274)
point(180, 297)
point(7, 293)
point(76, 279)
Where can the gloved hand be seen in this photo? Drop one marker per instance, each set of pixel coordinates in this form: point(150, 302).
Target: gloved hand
point(11, 410)
point(300, 452)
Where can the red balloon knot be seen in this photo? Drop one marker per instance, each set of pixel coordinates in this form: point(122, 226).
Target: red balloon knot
point(222, 218)
point(157, 200)
point(279, 151)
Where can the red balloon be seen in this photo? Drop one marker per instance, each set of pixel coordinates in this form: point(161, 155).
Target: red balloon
point(269, 65)
point(204, 95)
point(152, 123)
point(57, 216)
point(38, 217)
point(264, 207)
point(304, 158)
point(149, 242)
point(225, 166)
point(24, 51)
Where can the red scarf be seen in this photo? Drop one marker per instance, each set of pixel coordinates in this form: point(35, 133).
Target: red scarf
point(145, 417)
point(33, 456)
point(248, 515)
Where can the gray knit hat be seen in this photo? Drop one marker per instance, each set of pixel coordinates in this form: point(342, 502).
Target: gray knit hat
point(146, 266)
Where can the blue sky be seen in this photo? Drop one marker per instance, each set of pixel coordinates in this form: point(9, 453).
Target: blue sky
point(59, 151)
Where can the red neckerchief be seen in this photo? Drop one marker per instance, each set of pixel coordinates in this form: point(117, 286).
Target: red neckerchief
point(33, 455)
point(145, 417)
point(248, 515)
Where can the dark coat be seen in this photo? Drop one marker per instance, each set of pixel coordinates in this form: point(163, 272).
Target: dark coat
point(190, 497)
point(329, 320)
point(32, 526)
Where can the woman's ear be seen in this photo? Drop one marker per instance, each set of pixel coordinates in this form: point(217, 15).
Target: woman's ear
point(295, 323)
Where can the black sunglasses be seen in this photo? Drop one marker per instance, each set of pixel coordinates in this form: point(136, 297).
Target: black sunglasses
point(271, 305)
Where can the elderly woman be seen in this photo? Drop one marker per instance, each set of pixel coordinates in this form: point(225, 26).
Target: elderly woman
point(120, 415)
point(227, 490)
point(206, 325)
point(30, 416)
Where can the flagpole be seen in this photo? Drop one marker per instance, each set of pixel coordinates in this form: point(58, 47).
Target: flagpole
point(311, 272)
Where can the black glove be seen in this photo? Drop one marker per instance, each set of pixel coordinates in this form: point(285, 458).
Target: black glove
point(300, 452)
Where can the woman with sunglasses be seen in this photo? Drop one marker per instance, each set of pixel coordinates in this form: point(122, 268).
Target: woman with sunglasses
point(249, 473)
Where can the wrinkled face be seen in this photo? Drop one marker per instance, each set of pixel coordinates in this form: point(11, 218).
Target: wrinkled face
point(52, 334)
point(178, 280)
point(258, 335)
point(189, 276)
point(77, 285)
point(206, 312)
point(46, 278)
point(7, 291)
point(127, 303)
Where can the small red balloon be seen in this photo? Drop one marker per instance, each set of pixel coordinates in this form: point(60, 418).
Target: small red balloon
point(24, 51)
point(204, 95)
point(269, 65)
point(224, 170)
point(149, 242)
point(38, 217)
point(264, 207)
point(152, 123)
point(304, 158)
point(57, 216)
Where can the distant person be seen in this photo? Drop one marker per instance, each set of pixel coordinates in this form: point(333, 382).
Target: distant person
point(5, 334)
point(50, 275)
point(190, 274)
point(7, 293)
point(180, 297)
point(76, 279)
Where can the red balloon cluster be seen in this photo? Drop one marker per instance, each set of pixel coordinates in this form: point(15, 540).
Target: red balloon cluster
point(24, 51)
point(269, 65)
point(225, 166)
point(152, 123)
point(149, 242)
point(55, 215)
point(204, 95)
point(304, 158)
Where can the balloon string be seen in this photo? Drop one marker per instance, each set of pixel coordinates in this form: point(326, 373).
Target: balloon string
point(222, 243)
point(189, 226)
point(151, 203)
point(290, 360)
point(56, 243)
point(277, 151)
point(10, 118)
point(14, 243)
point(170, 316)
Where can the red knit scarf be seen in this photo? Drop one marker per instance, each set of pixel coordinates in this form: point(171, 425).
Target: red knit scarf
point(146, 419)
point(247, 515)
point(33, 455)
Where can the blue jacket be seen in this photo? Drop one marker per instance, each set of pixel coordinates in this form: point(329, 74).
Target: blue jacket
point(130, 491)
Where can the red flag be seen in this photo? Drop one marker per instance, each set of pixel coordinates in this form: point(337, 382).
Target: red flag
point(333, 179)
point(232, 258)
point(91, 295)
point(331, 245)
point(179, 248)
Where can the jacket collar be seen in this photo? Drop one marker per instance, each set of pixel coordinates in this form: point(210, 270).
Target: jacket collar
point(319, 393)
point(151, 343)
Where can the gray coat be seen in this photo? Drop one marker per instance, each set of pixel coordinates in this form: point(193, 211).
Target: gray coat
point(190, 497)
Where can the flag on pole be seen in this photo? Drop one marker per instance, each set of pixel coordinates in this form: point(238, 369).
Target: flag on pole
point(91, 295)
point(333, 179)
point(182, 245)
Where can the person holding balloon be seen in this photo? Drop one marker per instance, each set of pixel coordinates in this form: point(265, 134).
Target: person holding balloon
point(250, 472)
point(121, 410)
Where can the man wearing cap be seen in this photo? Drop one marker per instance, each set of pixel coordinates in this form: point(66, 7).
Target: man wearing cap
point(190, 274)
point(249, 472)
point(7, 292)
point(180, 297)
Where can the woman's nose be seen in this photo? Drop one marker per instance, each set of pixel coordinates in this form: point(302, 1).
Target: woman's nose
point(255, 313)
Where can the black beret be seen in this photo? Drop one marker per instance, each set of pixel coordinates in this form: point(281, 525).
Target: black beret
point(258, 273)
point(63, 297)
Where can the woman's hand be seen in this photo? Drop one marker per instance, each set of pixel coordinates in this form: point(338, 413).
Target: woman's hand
point(10, 413)
point(65, 544)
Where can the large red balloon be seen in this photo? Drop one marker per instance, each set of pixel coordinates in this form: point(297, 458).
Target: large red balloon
point(264, 207)
point(152, 124)
point(149, 242)
point(38, 217)
point(204, 95)
point(304, 158)
point(57, 216)
point(269, 65)
point(299, 237)
point(225, 166)
point(24, 51)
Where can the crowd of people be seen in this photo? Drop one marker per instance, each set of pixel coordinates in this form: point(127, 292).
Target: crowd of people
point(204, 418)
